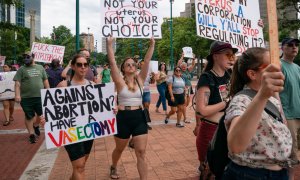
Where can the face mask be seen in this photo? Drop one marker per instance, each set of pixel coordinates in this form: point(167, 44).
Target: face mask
point(27, 61)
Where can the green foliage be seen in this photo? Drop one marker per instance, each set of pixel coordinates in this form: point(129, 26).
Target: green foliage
point(285, 23)
point(11, 48)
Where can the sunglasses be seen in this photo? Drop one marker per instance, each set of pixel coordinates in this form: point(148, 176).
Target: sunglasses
point(292, 45)
point(26, 56)
point(130, 64)
point(178, 70)
point(82, 65)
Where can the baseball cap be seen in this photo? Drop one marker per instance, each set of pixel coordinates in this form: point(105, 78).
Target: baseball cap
point(289, 40)
point(218, 46)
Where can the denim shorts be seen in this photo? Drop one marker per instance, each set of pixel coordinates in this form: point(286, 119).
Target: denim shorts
point(237, 172)
point(146, 97)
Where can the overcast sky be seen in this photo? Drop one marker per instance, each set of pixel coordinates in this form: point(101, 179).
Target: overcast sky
point(58, 12)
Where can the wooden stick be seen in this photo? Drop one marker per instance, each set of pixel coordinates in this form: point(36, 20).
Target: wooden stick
point(273, 31)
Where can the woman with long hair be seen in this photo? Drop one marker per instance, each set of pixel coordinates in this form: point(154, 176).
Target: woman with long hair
point(259, 144)
point(212, 95)
point(161, 85)
point(131, 119)
point(176, 89)
point(78, 152)
point(8, 104)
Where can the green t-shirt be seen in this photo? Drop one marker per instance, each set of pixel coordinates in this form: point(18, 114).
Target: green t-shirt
point(31, 79)
point(290, 96)
point(105, 76)
point(186, 75)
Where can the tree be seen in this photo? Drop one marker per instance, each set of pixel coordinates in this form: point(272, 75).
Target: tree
point(286, 22)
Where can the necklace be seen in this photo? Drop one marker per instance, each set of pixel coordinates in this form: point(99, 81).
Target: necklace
point(215, 73)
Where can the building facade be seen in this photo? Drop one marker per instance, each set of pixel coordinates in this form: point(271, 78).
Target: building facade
point(88, 41)
point(20, 15)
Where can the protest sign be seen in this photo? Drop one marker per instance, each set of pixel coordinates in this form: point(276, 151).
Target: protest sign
point(153, 66)
point(131, 19)
point(188, 52)
point(2, 60)
point(7, 85)
point(47, 52)
point(234, 22)
point(78, 113)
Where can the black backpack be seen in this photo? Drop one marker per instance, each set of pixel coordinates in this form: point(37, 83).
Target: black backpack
point(217, 153)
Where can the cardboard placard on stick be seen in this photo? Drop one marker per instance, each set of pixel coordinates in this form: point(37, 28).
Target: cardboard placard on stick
point(47, 52)
point(273, 32)
point(234, 22)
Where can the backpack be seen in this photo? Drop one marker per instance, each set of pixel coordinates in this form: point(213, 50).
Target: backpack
point(217, 153)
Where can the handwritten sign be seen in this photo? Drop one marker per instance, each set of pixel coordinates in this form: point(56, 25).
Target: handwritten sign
point(131, 18)
point(7, 85)
point(78, 113)
point(47, 52)
point(188, 52)
point(153, 66)
point(234, 22)
point(2, 60)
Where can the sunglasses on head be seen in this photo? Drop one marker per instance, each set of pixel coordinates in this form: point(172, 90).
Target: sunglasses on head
point(82, 65)
point(293, 44)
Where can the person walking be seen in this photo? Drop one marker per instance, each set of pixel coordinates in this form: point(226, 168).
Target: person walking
point(259, 143)
point(78, 152)
point(176, 89)
point(29, 80)
point(54, 73)
point(186, 75)
point(161, 84)
point(290, 96)
point(8, 104)
point(131, 120)
point(212, 95)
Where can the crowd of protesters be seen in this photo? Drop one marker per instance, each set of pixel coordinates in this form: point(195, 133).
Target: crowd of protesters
point(260, 146)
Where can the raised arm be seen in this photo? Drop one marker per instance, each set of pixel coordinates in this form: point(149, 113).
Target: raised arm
point(181, 59)
point(192, 66)
point(66, 69)
point(115, 73)
point(144, 71)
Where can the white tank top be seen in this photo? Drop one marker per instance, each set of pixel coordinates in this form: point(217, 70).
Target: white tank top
point(129, 98)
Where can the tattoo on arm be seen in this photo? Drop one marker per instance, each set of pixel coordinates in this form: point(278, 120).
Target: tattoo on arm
point(206, 97)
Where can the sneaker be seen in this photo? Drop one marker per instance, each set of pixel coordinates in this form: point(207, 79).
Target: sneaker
point(149, 127)
point(32, 138)
point(166, 120)
point(37, 130)
point(179, 125)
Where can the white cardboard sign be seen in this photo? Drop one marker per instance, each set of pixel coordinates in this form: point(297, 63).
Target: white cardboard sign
point(47, 52)
point(78, 113)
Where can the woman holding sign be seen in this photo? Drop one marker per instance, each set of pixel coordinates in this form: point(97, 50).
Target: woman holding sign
point(8, 104)
point(78, 152)
point(131, 119)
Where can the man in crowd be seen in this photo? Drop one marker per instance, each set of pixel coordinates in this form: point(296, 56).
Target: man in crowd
point(29, 80)
point(91, 75)
point(290, 96)
point(105, 74)
point(54, 73)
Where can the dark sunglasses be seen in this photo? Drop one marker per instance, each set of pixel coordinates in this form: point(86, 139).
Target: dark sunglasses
point(177, 70)
point(26, 56)
point(82, 65)
point(293, 44)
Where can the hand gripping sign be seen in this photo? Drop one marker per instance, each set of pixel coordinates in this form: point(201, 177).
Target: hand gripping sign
point(78, 113)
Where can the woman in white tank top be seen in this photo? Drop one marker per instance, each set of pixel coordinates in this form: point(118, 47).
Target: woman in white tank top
point(130, 117)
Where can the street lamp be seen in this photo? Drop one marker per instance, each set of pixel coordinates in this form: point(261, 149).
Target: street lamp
point(77, 25)
point(15, 48)
point(171, 37)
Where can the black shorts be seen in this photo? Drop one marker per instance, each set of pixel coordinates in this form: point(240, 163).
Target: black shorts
point(79, 150)
point(32, 106)
point(131, 122)
point(179, 100)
